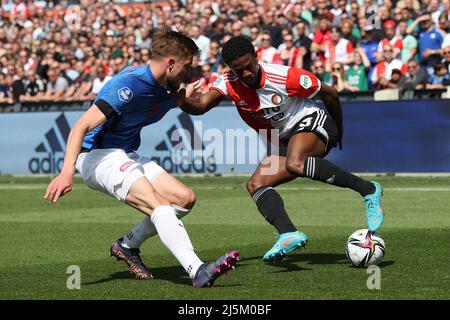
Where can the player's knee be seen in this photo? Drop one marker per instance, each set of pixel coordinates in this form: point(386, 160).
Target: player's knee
point(254, 184)
point(295, 166)
point(187, 198)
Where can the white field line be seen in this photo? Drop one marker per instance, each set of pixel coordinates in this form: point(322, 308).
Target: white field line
point(217, 187)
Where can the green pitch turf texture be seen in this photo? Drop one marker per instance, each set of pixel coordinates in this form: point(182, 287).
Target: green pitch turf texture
point(39, 241)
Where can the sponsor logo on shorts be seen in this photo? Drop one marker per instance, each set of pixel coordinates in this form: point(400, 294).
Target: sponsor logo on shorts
point(126, 165)
point(305, 81)
point(242, 103)
point(125, 94)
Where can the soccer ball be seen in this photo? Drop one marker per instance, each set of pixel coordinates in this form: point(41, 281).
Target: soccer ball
point(364, 249)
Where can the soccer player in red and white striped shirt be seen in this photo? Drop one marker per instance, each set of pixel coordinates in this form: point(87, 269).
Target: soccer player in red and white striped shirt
point(269, 96)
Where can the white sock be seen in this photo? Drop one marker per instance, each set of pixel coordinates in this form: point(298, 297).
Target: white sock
point(172, 233)
point(146, 229)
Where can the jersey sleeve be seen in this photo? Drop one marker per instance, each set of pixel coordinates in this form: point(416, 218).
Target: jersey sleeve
point(301, 83)
point(220, 86)
point(118, 93)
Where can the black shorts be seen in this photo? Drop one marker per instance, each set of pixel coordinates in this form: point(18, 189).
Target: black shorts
point(320, 123)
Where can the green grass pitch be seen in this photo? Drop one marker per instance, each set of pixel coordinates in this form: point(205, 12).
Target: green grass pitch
point(39, 241)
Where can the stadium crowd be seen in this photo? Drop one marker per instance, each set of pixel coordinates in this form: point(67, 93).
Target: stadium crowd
point(67, 50)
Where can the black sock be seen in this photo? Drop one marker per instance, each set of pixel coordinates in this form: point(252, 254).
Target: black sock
point(322, 170)
point(271, 206)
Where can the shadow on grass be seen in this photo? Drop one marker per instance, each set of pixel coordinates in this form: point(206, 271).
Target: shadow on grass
point(314, 258)
point(385, 264)
point(174, 274)
point(310, 258)
point(290, 263)
point(382, 265)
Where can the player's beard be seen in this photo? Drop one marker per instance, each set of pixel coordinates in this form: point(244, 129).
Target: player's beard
point(173, 85)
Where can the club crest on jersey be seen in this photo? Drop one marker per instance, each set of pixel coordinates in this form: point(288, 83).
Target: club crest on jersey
point(277, 99)
point(125, 94)
point(305, 81)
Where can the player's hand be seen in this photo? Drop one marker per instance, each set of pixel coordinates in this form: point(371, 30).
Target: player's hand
point(58, 187)
point(194, 88)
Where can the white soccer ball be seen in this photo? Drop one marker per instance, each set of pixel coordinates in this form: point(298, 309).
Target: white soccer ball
point(365, 249)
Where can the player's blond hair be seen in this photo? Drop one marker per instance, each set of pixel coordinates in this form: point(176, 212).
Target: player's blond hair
point(171, 43)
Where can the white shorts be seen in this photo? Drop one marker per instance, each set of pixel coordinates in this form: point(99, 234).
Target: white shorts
point(113, 171)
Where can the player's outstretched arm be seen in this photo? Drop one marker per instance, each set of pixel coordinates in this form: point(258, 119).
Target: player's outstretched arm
point(330, 98)
point(62, 183)
point(192, 101)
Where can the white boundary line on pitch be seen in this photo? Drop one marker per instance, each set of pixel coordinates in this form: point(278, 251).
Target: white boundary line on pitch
point(215, 187)
point(230, 174)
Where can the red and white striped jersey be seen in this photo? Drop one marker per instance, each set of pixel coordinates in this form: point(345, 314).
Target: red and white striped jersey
point(384, 69)
point(339, 52)
point(395, 42)
point(283, 98)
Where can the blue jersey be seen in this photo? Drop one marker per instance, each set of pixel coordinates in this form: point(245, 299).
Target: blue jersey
point(430, 40)
point(132, 100)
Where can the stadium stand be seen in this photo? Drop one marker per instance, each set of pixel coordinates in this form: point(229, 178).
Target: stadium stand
point(54, 52)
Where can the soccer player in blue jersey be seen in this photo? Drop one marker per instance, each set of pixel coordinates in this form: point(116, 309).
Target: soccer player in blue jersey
point(102, 145)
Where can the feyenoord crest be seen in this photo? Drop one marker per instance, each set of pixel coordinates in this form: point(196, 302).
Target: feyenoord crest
point(305, 81)
point(277, 99)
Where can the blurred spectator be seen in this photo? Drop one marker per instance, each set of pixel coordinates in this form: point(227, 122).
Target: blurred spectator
point(144, 56)
point(370, 44)
point(347, 32)
point(318, 68)
point(356, 75)
point(6, 89)
point(100, 80)
point(443, 25)
point(338, 49)
point(18, 85)
point(415, 78)
point(34, 87)
point(323, 10)
point(266, 52)
point(291, 55)
point(274, 29)
point(56, 85)
point(396, 77)
point(444, 28)
point(303, 42)
point(256, 36)
point(391, 38)
point(430, 40)
point(208, 76)
point(441, 77)
point(383, 70)
point(338, 76)
point(91, 40)
point(322, 36)
point(194, 72)
point(337, 10)
point(201, 41)
point(409, 43)
point(446, 56)
point(236, 28)
point(214, 58)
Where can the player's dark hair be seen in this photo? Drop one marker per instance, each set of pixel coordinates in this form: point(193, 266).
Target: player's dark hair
point(237, 47)
point(171, 43)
